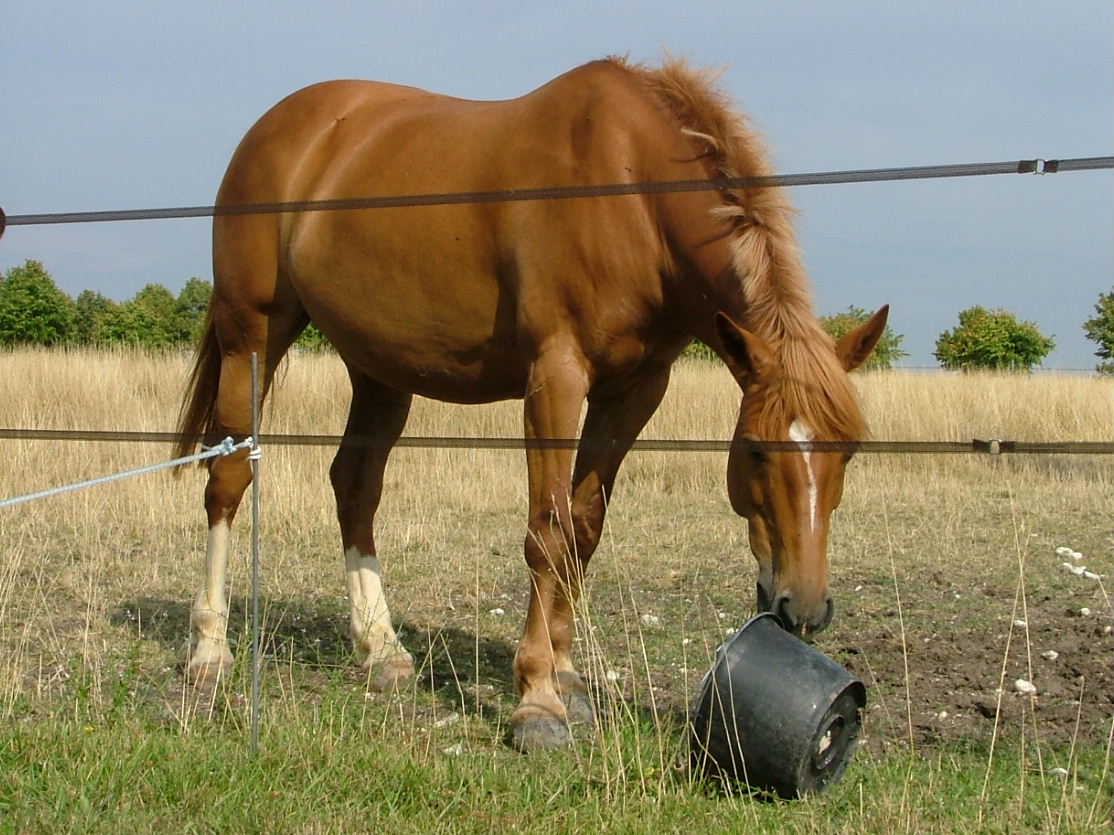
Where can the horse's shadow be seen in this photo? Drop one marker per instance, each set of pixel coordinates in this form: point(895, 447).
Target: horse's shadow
point(464, 671)
point(456, 665)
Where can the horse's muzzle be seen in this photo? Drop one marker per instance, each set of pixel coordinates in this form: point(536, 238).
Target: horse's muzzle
point(803, 621)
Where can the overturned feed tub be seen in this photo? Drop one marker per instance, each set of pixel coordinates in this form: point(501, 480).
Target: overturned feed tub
point(774, 713)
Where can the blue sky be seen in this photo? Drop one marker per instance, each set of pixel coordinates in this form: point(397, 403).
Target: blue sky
point(123, 105)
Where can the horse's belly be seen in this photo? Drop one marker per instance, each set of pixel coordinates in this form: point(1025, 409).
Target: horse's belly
point(480, 376)
point(446, 349)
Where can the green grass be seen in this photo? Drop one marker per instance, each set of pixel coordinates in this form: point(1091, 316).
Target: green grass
point(404, 764)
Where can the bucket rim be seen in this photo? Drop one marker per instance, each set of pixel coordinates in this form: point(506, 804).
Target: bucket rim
point(721, 651)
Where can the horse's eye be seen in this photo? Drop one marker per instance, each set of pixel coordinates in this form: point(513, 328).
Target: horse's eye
point(755, 451)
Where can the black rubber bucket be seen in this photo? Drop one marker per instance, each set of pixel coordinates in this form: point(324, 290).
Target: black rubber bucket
point(775, 714)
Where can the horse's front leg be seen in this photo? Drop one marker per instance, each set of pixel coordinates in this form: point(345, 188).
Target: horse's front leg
point(611, 425)
point(556, 390)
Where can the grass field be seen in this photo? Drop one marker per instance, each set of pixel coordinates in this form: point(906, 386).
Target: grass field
point(947, 586)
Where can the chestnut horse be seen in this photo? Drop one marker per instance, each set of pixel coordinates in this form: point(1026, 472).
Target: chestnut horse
point(559, 302)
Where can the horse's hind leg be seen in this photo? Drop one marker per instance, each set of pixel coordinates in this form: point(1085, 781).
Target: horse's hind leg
point(357, 476)
point(268, 336)
point(229, 476)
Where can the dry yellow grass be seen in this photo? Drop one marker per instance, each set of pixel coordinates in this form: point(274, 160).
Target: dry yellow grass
point(113, 390)
point(451, 524)
point(126, 391)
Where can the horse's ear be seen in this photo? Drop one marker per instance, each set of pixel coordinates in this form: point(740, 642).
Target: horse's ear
point(855, 346)
point(746, 355)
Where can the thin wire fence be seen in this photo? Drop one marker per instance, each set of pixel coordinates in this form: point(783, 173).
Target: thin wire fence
point(869, 175)
point(225, 447)
point(993, 446)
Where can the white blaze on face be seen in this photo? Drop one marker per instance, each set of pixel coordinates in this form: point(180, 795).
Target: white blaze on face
point(799, 433)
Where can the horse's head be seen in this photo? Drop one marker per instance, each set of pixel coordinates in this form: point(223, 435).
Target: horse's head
point(787, 491)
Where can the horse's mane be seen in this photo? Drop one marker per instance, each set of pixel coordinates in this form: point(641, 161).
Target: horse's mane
point(813, 385)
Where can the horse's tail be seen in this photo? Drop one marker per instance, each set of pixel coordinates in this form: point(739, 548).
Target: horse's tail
point(198, 413)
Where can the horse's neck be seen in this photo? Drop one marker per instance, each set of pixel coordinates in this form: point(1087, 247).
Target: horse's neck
point(768, 292)
point(713, 287)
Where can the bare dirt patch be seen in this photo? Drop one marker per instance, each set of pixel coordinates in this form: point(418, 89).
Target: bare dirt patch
point(961, 683)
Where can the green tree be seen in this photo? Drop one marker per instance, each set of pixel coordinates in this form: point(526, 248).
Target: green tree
point(131, 324)
point(312, 339)
point(158, 301)
point(90, 309)
point(1100, 329)
point(992, 339)
point(32, 308)
point(698, 350)
point(189, 310)
point(886, 352)
point(147, 320)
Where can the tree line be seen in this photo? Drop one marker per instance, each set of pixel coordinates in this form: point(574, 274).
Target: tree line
point(33, 310)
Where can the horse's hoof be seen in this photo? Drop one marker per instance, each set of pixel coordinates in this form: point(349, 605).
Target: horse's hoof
point(391, 674)
point(578, 704)
point(204, 675)
point(579, 709)
point(208, 664)
point(539, 731)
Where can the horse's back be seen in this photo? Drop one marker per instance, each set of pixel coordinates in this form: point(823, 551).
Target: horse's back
point(413, 136)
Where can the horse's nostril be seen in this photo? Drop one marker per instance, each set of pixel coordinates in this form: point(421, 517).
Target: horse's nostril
point(801, 621)
point(782, 613)
point(829, 613)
